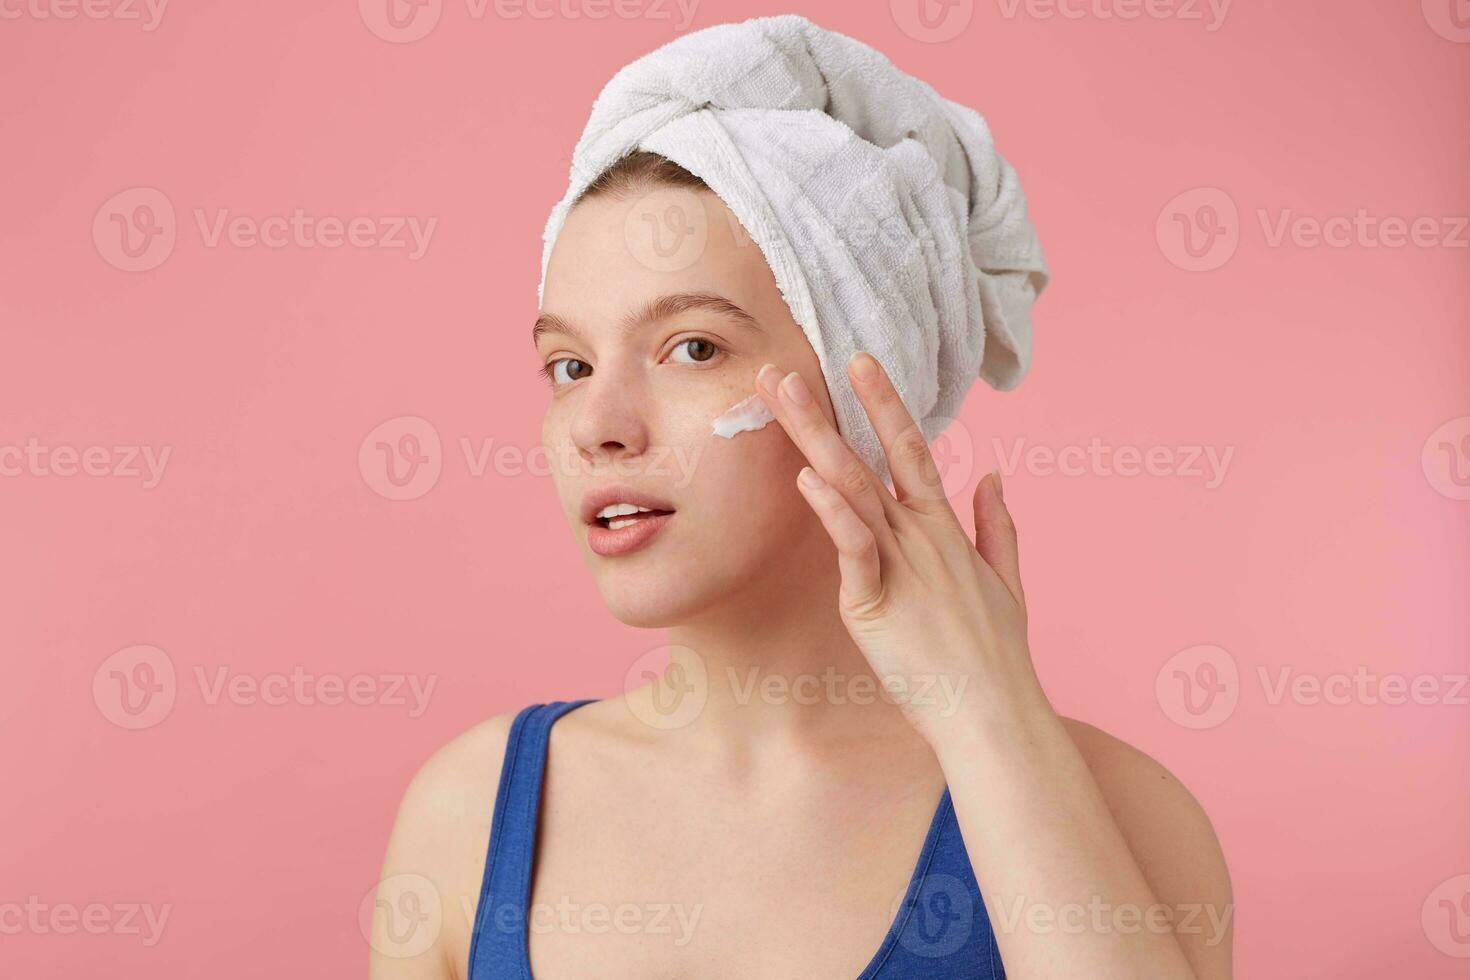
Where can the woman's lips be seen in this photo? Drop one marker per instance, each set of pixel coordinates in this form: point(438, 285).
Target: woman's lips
point(610, 542)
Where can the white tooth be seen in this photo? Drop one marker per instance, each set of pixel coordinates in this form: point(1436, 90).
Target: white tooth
point(622, 510)
point(614, 525)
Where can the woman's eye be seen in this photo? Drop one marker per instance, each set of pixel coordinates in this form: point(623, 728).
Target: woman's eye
point(700, 350)
point(566, 369)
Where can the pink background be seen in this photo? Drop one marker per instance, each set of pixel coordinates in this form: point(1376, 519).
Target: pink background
point(1335, 544)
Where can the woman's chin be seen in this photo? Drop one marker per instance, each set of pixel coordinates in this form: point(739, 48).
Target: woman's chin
point(649, 609)
point(663, 599)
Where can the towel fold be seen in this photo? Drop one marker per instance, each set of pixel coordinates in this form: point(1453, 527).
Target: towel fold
point(888, 219)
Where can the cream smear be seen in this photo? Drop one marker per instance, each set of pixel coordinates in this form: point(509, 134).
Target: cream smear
point(746, 415)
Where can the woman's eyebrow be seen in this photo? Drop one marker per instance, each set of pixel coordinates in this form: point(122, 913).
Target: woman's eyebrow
point(659, 308)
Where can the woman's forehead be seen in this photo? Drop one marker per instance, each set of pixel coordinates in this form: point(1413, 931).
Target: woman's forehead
point(616, 257)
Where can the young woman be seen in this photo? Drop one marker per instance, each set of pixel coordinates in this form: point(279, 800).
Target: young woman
point(849, 768)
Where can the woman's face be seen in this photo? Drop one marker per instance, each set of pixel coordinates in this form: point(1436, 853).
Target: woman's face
point(634, 389)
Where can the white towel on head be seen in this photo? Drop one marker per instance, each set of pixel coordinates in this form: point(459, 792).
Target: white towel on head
point(888, 219)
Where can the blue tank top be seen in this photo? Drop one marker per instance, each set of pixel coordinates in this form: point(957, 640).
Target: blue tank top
point(941, 929)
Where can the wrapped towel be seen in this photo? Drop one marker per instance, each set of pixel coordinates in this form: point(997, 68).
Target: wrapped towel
point(887, 218)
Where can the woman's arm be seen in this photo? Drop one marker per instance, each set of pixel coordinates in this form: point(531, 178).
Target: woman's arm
point(1077, 862)
point(1095, 860)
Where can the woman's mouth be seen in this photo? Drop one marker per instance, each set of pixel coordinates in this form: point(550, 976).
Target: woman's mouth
point(620, 528)
point(619, 515)
point(623, 518)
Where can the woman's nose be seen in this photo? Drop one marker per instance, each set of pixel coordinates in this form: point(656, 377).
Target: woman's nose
point(611, 419)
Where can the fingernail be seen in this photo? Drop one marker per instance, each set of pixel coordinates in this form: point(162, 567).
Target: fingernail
point(810, 478)
point(796, 389)
point(1000, 487)
point(768, 381)
point(864, 366)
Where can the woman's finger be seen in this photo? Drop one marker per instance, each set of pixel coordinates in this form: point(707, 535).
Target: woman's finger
point(857, 549)
point(828, 453)
point(995, 535)
point(916, 480)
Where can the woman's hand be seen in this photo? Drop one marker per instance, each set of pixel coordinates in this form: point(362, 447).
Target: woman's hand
point(929, 610)
point(1041, 832)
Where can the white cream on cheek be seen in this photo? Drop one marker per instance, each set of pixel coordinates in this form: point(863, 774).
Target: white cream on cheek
point(746, 415)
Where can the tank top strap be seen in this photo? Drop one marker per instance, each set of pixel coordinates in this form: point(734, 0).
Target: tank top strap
point(942, 929)
point(500, 923)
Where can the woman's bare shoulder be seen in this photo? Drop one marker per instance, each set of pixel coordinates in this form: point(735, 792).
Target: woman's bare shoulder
point(464, 769)
point(458, 782)
point(1169, 834)
point(450, 800)
point(1127, 773)
point(437, 846)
